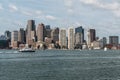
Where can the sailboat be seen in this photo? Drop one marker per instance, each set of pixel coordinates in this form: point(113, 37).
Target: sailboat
point(105, 49)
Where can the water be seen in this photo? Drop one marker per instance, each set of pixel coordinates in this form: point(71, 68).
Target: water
point(60, 65)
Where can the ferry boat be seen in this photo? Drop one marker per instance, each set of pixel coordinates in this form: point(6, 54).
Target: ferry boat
point(27, 50)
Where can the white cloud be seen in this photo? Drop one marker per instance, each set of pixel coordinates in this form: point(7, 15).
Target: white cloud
point(114, 7)
point(50, 17)
point(13, 7)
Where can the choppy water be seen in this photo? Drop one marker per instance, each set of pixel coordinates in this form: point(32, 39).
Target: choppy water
point(60, 65)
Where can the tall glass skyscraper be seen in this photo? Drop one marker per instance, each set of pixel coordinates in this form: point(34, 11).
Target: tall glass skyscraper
point(79, 35)
point(30, 32)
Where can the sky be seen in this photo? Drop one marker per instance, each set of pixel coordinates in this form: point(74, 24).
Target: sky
point(102, 15)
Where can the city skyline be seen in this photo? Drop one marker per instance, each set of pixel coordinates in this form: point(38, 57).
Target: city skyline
point(45, 37)
point(104, 16)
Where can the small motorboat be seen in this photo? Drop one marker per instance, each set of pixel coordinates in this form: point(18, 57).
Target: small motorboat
point(27, 50)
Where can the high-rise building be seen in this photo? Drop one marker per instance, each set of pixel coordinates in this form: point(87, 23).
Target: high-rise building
point(70, 38)
point(4, 42)
point(14, 38)
point(62, 38)
point(8, 35)
point(55, 35)
point(30, 32)
point(91, 36)
point(114, 40)
point(79, 35)
point(41, 32)
point(104, 41)
point(48, 31)
point(21, 36)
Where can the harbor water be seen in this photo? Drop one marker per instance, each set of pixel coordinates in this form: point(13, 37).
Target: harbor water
point(60, 65)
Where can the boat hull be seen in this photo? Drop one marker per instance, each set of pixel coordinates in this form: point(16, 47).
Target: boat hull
point(27, 51)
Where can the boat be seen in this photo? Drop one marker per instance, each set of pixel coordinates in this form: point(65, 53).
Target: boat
point(105, 49)
point(27, 50)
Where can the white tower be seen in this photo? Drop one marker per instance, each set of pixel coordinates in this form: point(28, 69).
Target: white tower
point(70, 38)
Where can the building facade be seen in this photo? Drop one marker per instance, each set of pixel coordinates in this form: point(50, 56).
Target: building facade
point(14, 39)
point(41, 32)
point(62, 38)
point(70, 38)
point(55, 35)
point(21, 36)
point(79, 35)
point(91, 36)
point(114, 40)
point(30, 32)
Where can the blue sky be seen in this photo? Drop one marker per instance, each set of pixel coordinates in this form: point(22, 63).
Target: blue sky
point(103, 15)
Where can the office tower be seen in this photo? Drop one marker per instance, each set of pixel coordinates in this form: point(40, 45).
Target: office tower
point(21, 35)
point(62, 38)
point(8, 35)
point(48, 31)
point(70, 38)
point(14, 39)
point(30, 32)
point(3, 42)
point(55, 35)
point(104, 41)
point(114, 40)
point(41, 32)
point(91, 36)
point(79, 35)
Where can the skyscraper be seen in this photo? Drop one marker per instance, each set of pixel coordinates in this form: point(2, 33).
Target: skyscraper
point(104, 41)
point(48, 31)
point(70, 38)
point(55, 35)
point(114, 40)
point(30, 32)
point(8, 35)
point(91, 36)
point(21, 36)
point(41, 32)
point(79, 35)
point(62, 38)
point(14, 38)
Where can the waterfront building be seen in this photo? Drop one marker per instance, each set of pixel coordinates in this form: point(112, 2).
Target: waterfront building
point(62, 38)
point(8, 34)
point(4, 43)
point(14, 39)
point(48, 41)
point(79, 35)
point(41, 32)
point(55, 35)
point(48, 31)
point(21, 36)
point(70, 38)
point(30, 32)
point(104, 41)
point(91, 36)
point(114, 40)
point(98, 44)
